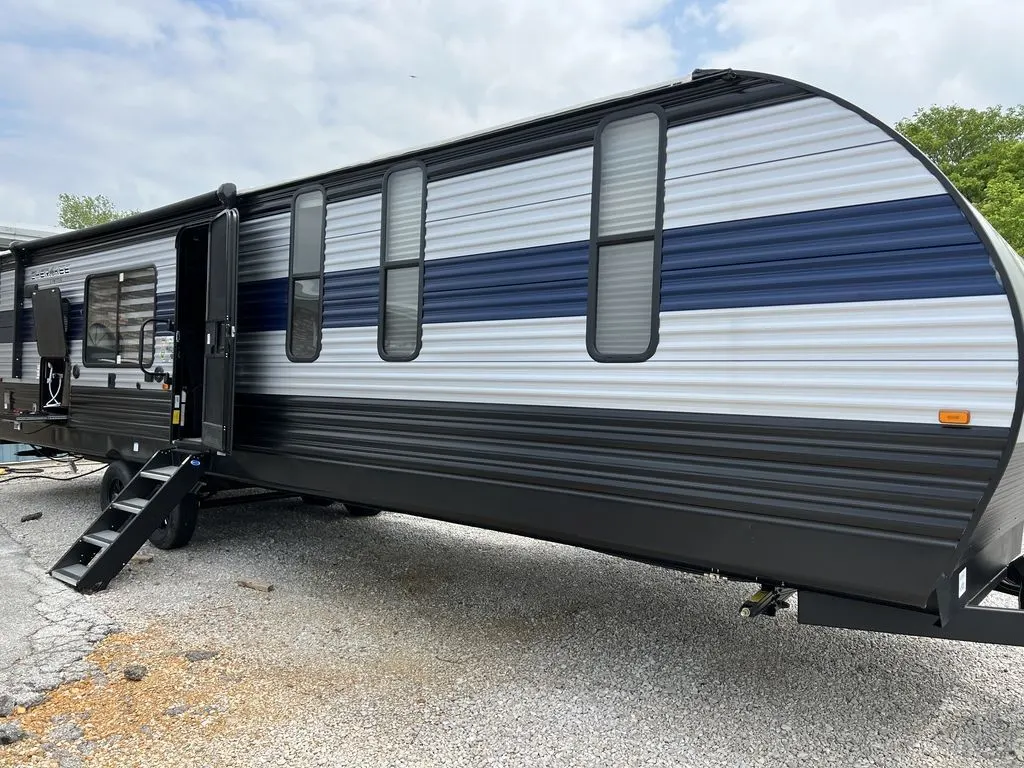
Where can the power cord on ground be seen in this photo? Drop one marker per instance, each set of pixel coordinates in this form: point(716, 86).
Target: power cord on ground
point(9, 474)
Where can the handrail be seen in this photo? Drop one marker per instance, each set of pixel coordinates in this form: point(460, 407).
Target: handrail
point(142, 344)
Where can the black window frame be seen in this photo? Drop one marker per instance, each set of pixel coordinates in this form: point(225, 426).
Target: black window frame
point(598, 241)
point(386, 266)
point(294, 276)
point(86, 362)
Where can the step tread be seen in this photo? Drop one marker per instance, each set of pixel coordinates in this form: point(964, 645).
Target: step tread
point(135, 505)
point(159, 473)
point(70, 574)
point(101, 538)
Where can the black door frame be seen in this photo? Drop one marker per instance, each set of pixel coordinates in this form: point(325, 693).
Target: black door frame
point(221, 332)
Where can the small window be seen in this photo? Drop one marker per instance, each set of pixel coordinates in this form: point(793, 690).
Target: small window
point(305, 277)
point(625, 240)
point(117, 304)
point(401, 272)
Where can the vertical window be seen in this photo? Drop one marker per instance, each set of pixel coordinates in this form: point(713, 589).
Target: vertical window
point(116, 306)
point(625, 237)
point(401, 271)
point(306, 277)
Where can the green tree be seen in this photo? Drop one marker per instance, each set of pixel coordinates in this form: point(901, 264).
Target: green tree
point(81, 211)
point(982, 153)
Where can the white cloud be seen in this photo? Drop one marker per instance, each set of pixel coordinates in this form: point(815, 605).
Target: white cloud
point(151, 102)
point(151, 105)
point(888, 56)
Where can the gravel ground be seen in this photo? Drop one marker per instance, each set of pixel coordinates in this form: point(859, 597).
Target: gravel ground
point(398, 641)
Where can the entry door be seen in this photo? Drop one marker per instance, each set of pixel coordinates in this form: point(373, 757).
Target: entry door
point(221, 300)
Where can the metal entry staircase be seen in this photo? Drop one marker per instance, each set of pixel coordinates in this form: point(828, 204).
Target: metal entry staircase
point(127, 522)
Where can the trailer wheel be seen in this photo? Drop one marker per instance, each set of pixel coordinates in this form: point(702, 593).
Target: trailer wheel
point(179, 525)
point(115, 479)
point(361, 510)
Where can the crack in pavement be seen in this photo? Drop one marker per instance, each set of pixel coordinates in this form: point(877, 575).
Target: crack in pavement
point(46, 629)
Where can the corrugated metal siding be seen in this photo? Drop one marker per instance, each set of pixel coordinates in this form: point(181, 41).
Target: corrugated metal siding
point(524, 205)
point(868, 174)
point(897, 389)
point(350, 298)
point(263, 247)
point(1004, 510)
point(131, 412)
point(862, 476)
point(902, 249)
point(353, 234)
point(546, 281)
point(961, 329)
point(906, 249)
point(799, 128)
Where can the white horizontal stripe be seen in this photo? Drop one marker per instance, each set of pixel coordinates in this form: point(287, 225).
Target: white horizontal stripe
point(566, 174)
point(778, 132)
point(962, 328)
point(890, 361)
point(561, 221)
point(522, 205)
point(353, 234)
point(870, 174)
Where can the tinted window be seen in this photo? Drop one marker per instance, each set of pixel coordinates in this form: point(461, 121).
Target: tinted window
point(306, 271)
point(116, 306)
point(308, 232)
point(398, 336)
point(625, 251)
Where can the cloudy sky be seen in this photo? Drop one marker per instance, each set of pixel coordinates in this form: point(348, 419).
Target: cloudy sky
point(148, 102)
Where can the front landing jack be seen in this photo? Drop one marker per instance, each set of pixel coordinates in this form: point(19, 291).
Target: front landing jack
point(767, 600)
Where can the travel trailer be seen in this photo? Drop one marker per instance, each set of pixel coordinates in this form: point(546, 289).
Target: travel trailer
point(730, 324)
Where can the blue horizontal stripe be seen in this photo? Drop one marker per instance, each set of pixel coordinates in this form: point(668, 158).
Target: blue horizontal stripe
point(350, 298)
point(549, 281)
point(263, 305)
point(906, 249)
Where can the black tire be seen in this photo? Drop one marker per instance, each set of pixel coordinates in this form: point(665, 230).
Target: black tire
point(179, 525)
point(118, 475)
point(317, 501)
point(361, 510)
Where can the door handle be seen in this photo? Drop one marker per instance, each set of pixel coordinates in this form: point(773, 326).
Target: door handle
point(216, 337)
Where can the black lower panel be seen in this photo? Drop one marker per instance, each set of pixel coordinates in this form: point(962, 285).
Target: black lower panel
point(861, 508)
point(1005, 509)
point(102, 422)
point(143, 413)
point(994, 538)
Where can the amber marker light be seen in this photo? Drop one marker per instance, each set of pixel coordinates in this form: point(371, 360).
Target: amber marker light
point(957, 418)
